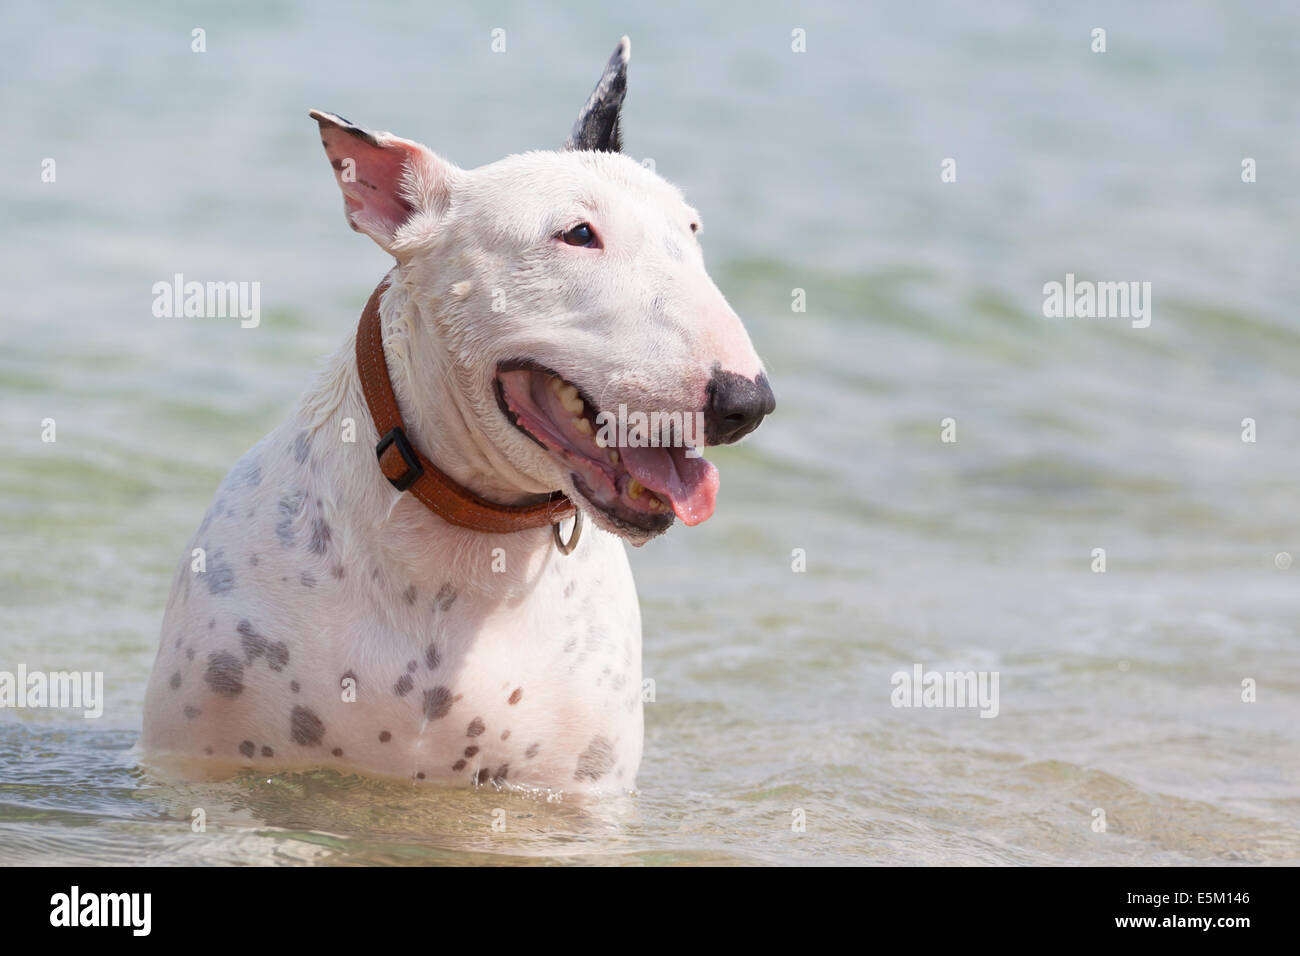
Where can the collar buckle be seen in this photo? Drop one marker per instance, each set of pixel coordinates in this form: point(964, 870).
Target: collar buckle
point(414, 470)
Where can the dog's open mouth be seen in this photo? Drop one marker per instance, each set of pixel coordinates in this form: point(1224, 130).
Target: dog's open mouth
point(637, 488)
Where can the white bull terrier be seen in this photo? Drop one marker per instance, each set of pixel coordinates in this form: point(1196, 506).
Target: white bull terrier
point(382, 585)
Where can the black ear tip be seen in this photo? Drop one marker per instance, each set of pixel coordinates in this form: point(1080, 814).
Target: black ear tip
point(597, 126)
point(326, 118)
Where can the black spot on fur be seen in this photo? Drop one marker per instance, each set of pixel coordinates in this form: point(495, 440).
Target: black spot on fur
point(431, 657)
point(220, 576)
point(308, 580)
point(516, 696)
point(596, 761)
point(410, 666)
point(320, 536)
point(268, 752)
point(255, 645)
point(531, 752)
point(225, 674)
point(505, 735)
point(176, 680)
point(247, 748)
point(437, 703)
point(290, 507)
point(445, 597)
point(301, 447)
point(403, 685)
point(471, 750)
point(294, 686)
point(475, 727)
point(385, 736)
point(409, 594)
point(484, 774)
point(337, 751)
point(191, 712)
point(458, 765)
point(500, 776)
point(305, 727)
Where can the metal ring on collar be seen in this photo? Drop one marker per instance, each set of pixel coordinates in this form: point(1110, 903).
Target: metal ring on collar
point(573, 538)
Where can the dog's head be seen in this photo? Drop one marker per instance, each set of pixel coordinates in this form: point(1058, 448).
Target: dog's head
point(566, 292)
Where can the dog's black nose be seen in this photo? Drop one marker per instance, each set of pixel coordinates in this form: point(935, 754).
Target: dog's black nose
point(735, 406)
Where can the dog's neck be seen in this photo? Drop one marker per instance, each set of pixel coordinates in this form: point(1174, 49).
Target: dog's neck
point(433, 395)
point(439, 420)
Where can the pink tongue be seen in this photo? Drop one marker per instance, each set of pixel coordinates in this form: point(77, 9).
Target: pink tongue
point(691, 484)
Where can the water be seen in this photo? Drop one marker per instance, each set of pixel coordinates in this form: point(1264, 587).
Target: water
point(1119, 691)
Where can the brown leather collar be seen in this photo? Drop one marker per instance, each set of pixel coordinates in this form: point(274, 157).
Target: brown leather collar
point(408, 470)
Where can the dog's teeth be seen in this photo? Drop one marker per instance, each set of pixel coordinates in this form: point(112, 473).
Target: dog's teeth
point(582, 425)
point(613, 455)
point(635, 489)
point(568, 395)
point(654, 503)
point(557, 383)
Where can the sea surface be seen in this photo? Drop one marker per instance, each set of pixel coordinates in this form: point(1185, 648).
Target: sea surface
point(772, 738)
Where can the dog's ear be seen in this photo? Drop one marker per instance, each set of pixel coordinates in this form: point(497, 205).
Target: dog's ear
point(385, 179)
point(597, 125)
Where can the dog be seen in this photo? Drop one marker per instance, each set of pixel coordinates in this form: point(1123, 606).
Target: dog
point(421, 572)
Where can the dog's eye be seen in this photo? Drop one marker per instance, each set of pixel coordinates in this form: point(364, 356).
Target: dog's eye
point(580, 235)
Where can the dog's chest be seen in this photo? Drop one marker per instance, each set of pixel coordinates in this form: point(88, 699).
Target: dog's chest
point(546, 692)
point(298, 645)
